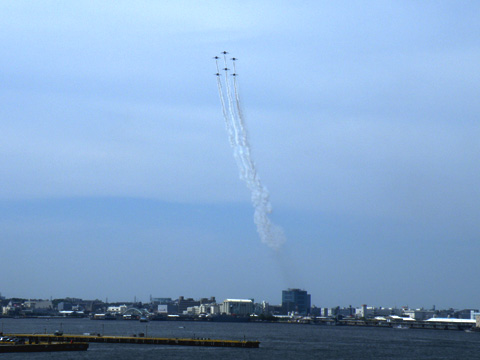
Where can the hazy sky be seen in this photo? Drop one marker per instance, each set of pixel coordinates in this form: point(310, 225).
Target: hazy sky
point(117, 179)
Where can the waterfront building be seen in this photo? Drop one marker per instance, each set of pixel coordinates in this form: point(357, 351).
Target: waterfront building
point(12, 308)
point(38, 307)
point(161, 301)
point(237, 307)
point(262, 308)
point(371, 311)
point(206, 309)
point(162, 309)
point(296, 300)
point(183, 304)
point(323, 312)
point(315, 311)
point(208, 301)
point(419, 314)
point(92, 306)
point(38, 304)
point(466, 313)
point(338, 312)
point(117, 309)
point(363, 312)
point(164, 305)
point(211, 308)
point(64, 306)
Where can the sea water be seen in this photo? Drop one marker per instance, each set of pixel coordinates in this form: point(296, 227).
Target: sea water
point(277, 340)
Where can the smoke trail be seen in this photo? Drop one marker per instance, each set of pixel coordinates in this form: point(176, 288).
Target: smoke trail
point(237, 100)
point(270, 234)
point(224, 109)
point(241, 124)
point(238, 148)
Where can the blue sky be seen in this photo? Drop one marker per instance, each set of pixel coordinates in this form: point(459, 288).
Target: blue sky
point(117, 179)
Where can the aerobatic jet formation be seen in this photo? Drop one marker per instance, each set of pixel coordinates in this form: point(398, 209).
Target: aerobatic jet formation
point(270, 234)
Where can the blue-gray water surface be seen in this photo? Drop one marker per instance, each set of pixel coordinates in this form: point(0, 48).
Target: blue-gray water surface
point(278, 341)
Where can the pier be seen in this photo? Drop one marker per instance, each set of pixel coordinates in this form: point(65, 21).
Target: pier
point(443, 324)
point(137, 340)
point(42, 347)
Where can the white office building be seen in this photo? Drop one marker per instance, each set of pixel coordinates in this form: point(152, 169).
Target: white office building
point(237, 307)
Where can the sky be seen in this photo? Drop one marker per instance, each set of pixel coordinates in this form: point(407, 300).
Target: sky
point(117, 179)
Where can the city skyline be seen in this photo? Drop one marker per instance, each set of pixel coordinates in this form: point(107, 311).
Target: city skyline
point(296, 294)
point(293, 301)
point(117, 176)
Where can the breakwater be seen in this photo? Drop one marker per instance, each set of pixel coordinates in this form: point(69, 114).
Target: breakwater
point(138, 340)
point(42, 347)
point(444, 324)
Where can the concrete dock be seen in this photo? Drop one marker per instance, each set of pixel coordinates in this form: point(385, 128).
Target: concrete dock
point(137, 340)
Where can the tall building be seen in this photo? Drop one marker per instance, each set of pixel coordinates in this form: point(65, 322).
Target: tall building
point(295, 300)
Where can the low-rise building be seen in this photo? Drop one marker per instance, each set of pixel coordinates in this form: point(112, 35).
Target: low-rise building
point(120, 309)
point(466, 314)
point(184, 303)
point(12, 308)
point(64, 306)
point(38, 304)
point(474, 315)
point(371, 311)
point(162, 309)
point(419, 314)
point(205, 309)
point(212, 309)
point(38, 307)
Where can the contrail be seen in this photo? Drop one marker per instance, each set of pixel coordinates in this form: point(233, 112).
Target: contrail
point(270, 234)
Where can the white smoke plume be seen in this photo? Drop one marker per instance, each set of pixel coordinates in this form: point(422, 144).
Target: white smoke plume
point(270, 234)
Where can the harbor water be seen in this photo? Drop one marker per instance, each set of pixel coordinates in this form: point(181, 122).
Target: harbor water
point(277, 341)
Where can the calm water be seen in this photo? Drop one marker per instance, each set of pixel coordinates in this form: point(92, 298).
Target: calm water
point(278, 341)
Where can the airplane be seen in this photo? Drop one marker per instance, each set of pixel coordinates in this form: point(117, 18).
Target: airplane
point(233, 59)
point(217, 74)
point(234, 74)
point(226, 69)
point(224, 52)
point(216, 57)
